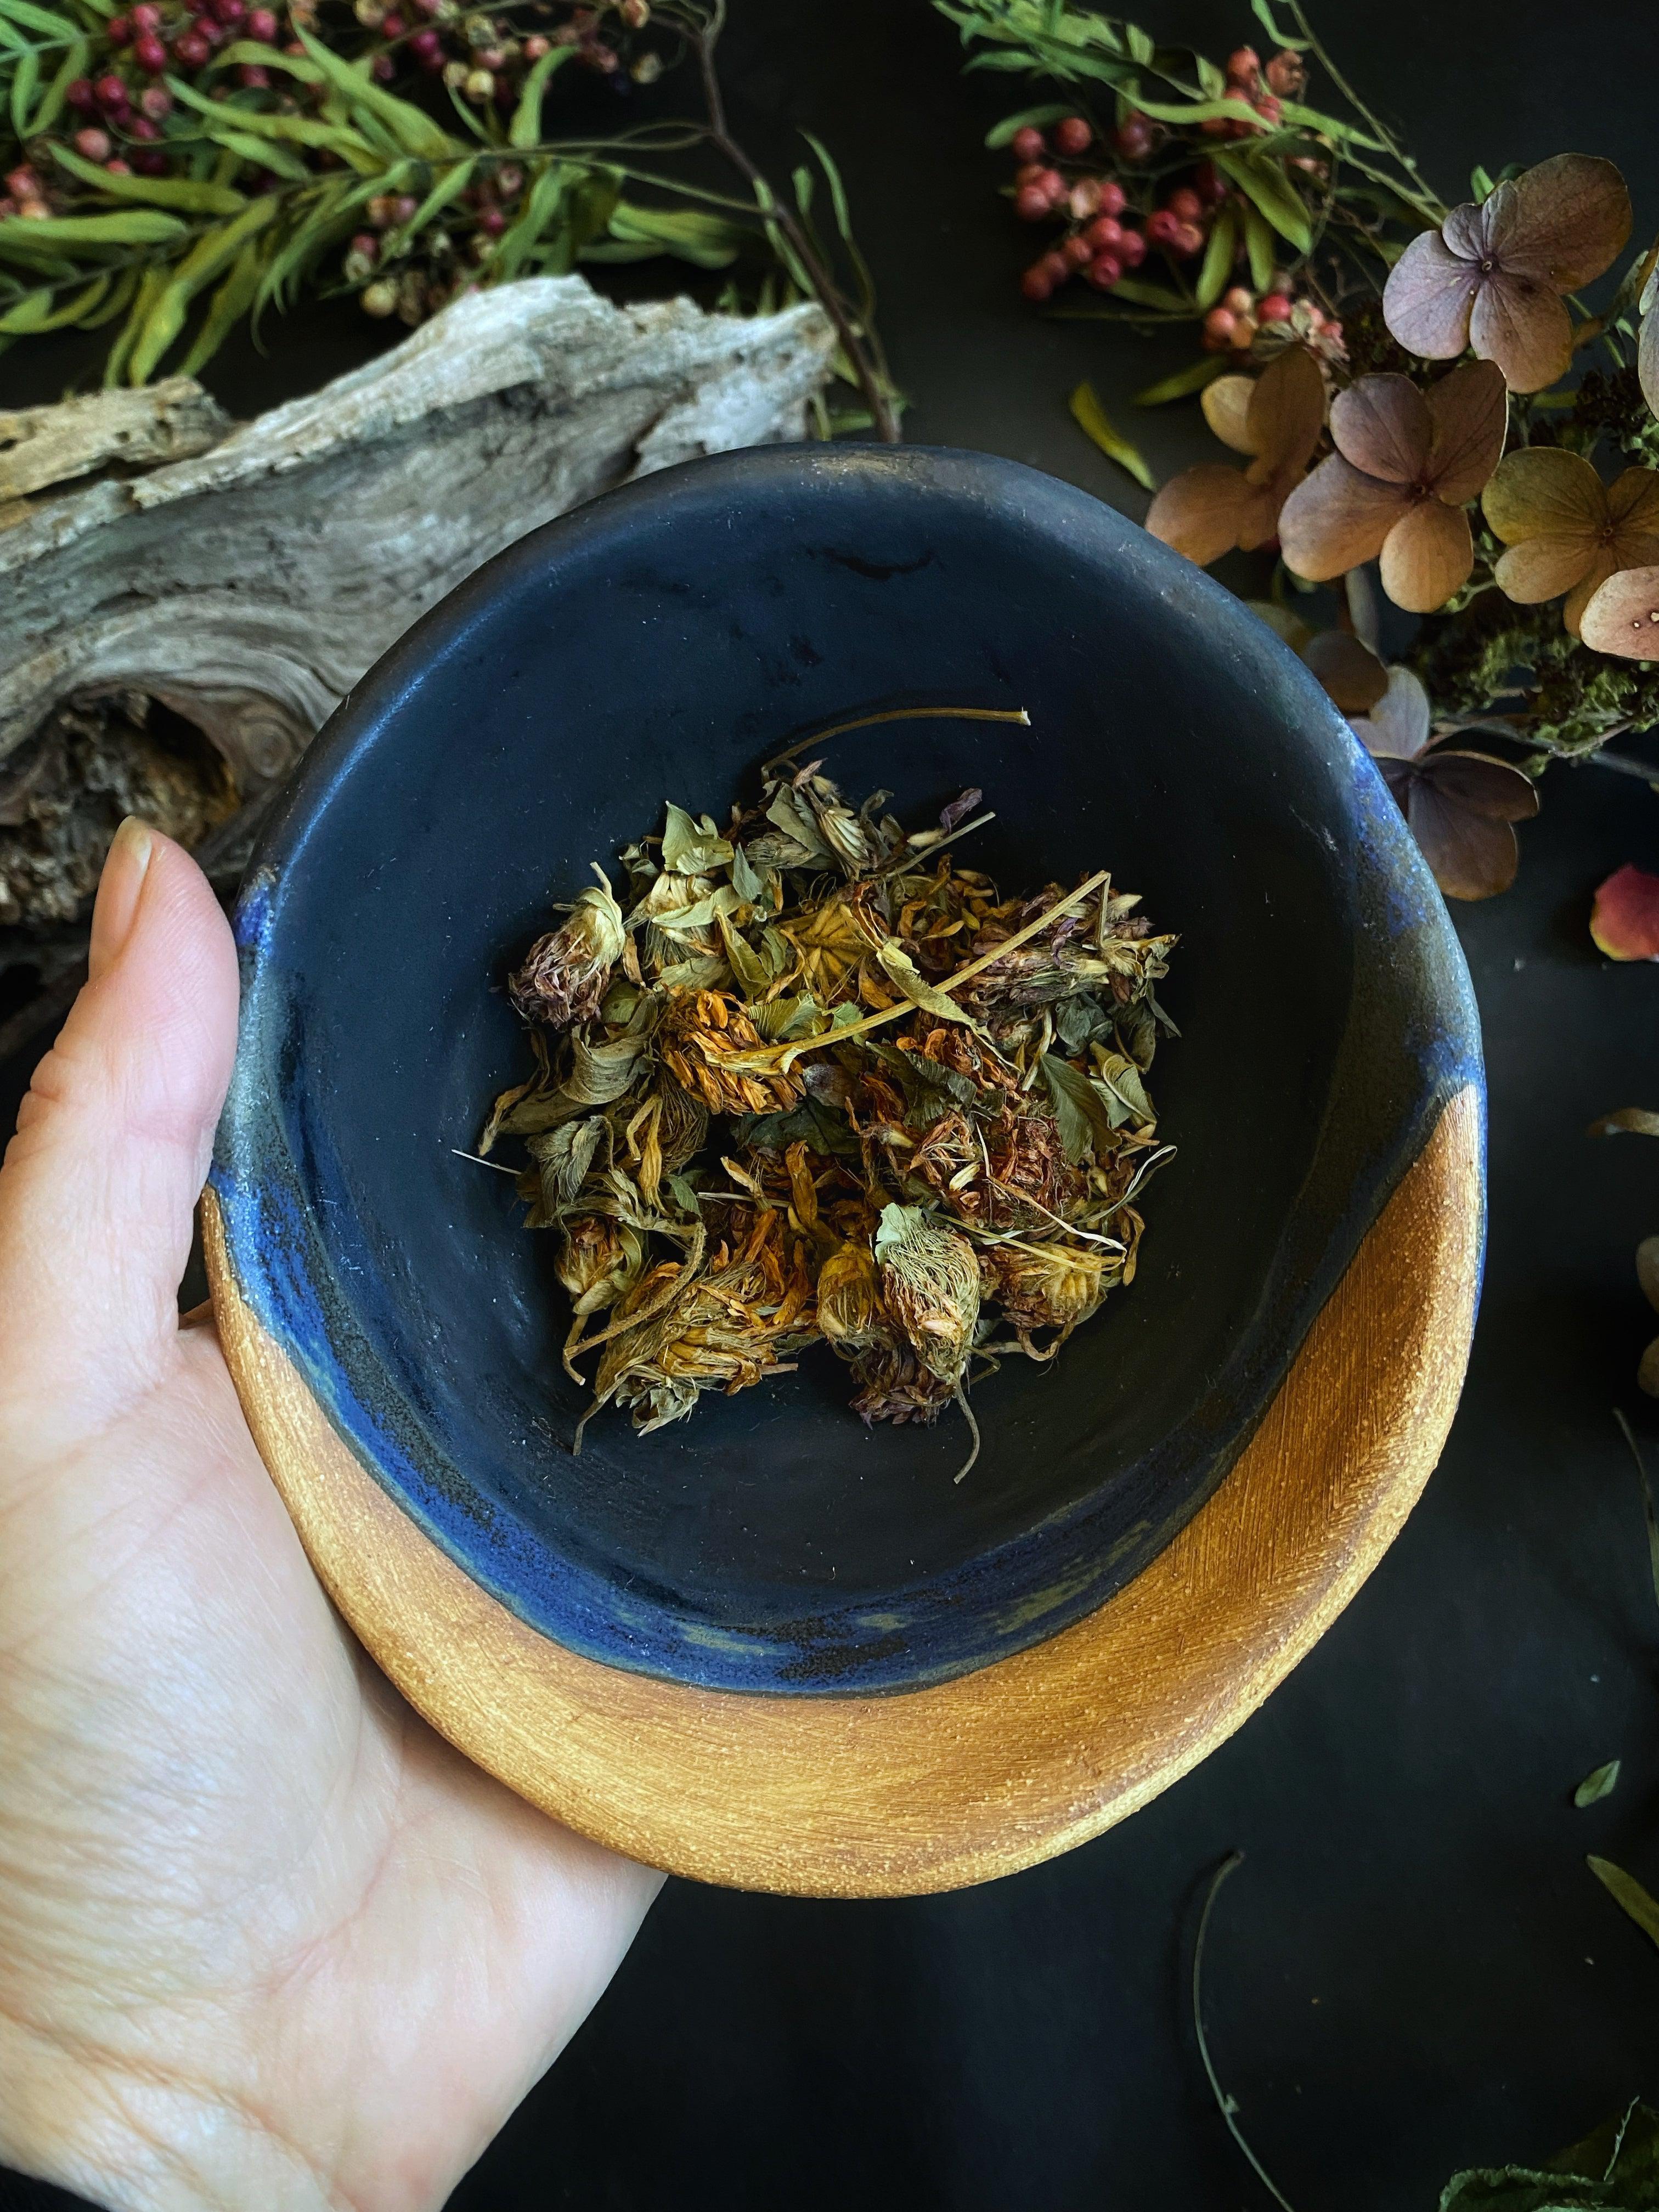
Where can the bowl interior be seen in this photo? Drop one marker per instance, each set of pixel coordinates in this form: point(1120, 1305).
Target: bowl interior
point(659, 645)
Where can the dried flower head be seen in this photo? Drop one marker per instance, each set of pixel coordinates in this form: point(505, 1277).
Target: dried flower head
point(1566, 530)
point(850, 1311)
point(564, 977)
point(930, 1283)
point(1404, 462)
point(1460, 805)
point(703, 1033)
point(1051, 1286)
point(1206, 511)
point(1491, 277)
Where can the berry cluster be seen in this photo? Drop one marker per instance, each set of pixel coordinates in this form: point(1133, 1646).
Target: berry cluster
point(1232, 323)
point(126, 119)
point(1104, 240)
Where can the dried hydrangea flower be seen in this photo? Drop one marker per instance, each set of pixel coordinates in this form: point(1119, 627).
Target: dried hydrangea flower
point(1406, 462)
point(563, 977)
point(1491, 277)
point(1566, 530)
point(1352, 676)
point(1623, 616)
point(1205, 512)
point(930, 1283)
point(1460, 805)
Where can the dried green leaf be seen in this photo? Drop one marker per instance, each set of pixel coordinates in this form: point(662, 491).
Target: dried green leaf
point(693, 849)
point(902, 972)
point(1085, 1124)
point(25, 78)
point(53, 98)
point(541, 202)
point(1091, 419)
point(1184, 382)
point(131, 226)
point(1597, 1786)
point(213, 253)
point(1628, 1893)
point(233, 299)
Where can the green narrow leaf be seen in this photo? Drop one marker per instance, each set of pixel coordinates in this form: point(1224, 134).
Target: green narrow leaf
point(38, 311)
point(214, 252)
point(52, 100)
point(1259, 244)
point(708, 241)
point(125, 283)
point(1264, 16)
point(55, 27)
point(1628, 1893)
point(1217, 265)
point(132, 227)
point(801, 181)
point(526, 126)
point(1039, 118)
point(1090, 418)
point(181, 192)
point(1597, 1786)
point(413, 129)
point(232, 300)
point(265, 154)
point(542, 202)
point(1141, 293)
point(149, 291)
point(449, 187)
point(1184, 381)
point(25, 79)
point(1480, 186)
point(1266, 184)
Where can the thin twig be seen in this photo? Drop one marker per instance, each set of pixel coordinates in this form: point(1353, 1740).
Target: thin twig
point(1648, 1509)
point(883, 419)
point(1225, 2103)
point(899, 715)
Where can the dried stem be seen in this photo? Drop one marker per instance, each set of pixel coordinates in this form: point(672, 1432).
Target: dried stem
point(1225, 2103)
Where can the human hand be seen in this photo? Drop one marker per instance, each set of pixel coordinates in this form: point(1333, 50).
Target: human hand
point(266, 1942)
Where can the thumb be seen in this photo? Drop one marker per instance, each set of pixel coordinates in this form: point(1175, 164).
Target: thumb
point(113, 1139)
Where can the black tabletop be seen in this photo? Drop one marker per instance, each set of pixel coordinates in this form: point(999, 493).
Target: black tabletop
point(1413, 1971)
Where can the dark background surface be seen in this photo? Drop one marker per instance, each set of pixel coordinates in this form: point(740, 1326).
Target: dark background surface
point(1413, 1971)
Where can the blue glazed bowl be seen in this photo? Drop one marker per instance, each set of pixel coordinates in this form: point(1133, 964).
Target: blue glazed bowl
point(659, 643)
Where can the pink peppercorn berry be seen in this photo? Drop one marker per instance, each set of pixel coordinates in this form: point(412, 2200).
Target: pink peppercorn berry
point(254, 76)
point(1132, 249)
point(93, 145)
point(1186, 204)
point(1219, 326)
point(111, 93)
point(143, 130)
point(1188, 241)
point(492, 221)
point(157, 101)
point(1243, 66)
point(1163, 225)
point(1031, 203)
point(119, 30)
point(118, 168)
point(1036, 284)
point(1210, 183)
point(428, 48)
point(1072, 136)
point(1134, 138)
point(1077, 251)
point(150, 53)
point(1239, 300)
point(80, 96)
point(1112, 201)
point(1027, 145)
point(535, 46)
point(261, 26)
point(1273, 308)
point(1103, 271)
point(192, 50)
point(1105, 234)
point(145, 16)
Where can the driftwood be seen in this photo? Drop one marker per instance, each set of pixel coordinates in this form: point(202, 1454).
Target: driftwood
point(173, 638)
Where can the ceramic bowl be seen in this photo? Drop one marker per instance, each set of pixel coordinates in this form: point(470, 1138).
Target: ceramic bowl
point(767, 1645)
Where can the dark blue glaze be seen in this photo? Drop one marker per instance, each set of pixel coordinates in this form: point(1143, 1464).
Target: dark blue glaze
point(659, 644)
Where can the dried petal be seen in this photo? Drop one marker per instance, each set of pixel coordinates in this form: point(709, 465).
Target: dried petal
point(1647, 1256)
point(1427, 299)
point(1471, 858)
point(1565, 220)
point(1337, 519)
point(1285, 416)
point(1205, 512)
point(1383, 425)
point(1426, 556)
point(1355, 678)
point(1470, 411)
point(1521, 325)
point(1603, 563)
point(1623, 618)
point(1544, 491)
point(1633, 510)
point(1494, 789)
point(1397, 728)
point(1625, 917)
point(1226, 404)
point(1647, 358)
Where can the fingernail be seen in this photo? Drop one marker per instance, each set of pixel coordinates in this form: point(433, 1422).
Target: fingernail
point(118, 889)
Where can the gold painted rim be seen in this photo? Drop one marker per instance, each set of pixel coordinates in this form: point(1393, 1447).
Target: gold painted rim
point(937, 1788)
